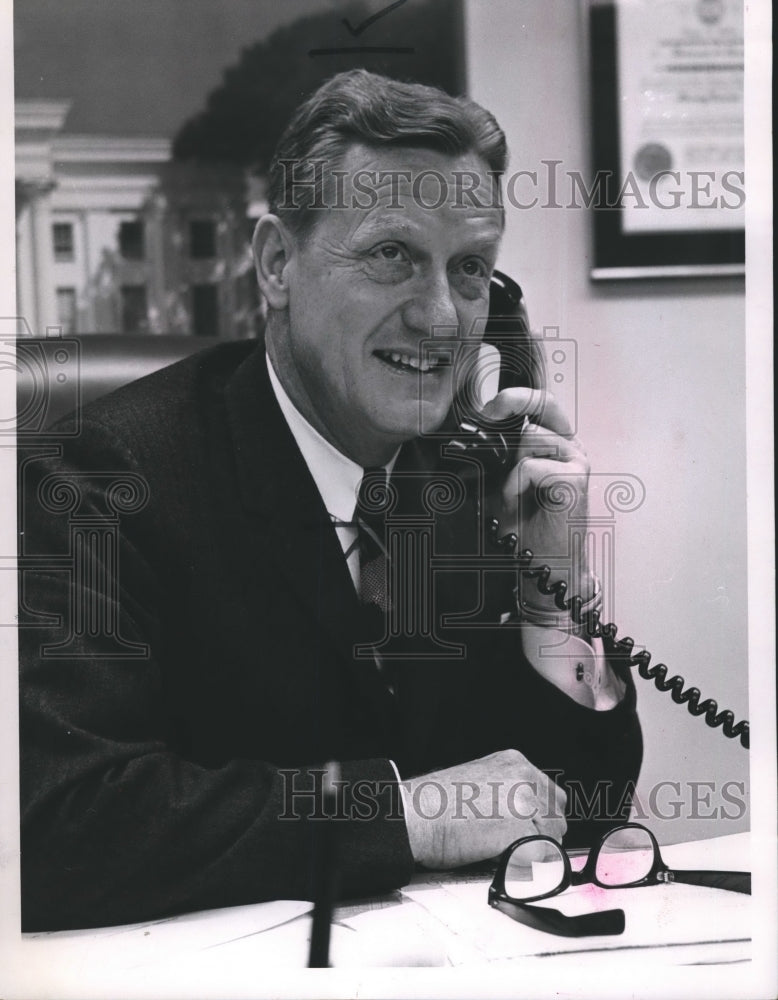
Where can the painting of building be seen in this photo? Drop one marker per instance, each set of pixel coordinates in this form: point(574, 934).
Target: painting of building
point(115, 237)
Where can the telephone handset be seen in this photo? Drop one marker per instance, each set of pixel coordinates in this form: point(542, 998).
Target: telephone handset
point(509, 357)
point(521, 364)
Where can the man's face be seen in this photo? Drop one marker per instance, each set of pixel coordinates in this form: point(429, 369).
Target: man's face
point(369, 284)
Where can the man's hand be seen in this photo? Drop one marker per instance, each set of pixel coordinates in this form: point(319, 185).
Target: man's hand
point(473, 811)
point(546, 487)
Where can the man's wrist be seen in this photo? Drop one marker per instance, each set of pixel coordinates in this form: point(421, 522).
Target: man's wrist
point(417, 822)
point(541, 610)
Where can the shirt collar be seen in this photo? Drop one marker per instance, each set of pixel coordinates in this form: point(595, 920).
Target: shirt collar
point(337, 478)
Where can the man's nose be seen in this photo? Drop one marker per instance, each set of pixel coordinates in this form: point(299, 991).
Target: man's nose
point(431, 306)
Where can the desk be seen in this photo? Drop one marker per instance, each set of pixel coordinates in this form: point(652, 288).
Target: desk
point(439, 919)
point(671, 924)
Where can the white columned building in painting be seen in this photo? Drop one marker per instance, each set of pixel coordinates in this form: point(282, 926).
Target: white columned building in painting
point(114, 237)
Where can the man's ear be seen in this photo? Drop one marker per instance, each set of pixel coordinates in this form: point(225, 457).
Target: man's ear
point(272, 246)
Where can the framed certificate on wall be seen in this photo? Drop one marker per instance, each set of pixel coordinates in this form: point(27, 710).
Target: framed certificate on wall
point(668, 185)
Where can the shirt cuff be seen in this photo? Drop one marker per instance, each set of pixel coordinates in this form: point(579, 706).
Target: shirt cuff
point(574, 665)
point(404, 793)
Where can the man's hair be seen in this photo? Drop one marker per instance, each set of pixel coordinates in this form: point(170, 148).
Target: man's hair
point(362, 107)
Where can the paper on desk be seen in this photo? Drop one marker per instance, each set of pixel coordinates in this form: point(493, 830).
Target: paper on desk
point(223, 952)
point(405, 936)
point(91, 954)
point(397, 936)
point(661, 916)
point(730, 853)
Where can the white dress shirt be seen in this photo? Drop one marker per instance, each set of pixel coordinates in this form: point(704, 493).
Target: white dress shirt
point(337, 478)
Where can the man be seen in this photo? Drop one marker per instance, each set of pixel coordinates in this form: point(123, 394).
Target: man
point(172, 749)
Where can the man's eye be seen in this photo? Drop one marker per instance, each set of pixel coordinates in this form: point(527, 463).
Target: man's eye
point(474, 268)
point(389, 251)
point(389, 263)
point(471, 278)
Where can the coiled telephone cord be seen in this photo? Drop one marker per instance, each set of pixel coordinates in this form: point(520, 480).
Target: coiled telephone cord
point(623, 647)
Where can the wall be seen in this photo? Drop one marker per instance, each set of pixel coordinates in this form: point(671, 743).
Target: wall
point(661, 380)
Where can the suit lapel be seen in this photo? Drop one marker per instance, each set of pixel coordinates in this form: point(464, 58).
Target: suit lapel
point(422, 680)
point(293, 527)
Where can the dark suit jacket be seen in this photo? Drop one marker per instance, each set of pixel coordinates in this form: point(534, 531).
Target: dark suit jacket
point(168, 726)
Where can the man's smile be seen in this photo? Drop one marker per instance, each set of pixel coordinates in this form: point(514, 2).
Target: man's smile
point(401, 361)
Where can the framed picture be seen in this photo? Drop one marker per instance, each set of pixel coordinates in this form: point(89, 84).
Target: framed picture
point(666, 80)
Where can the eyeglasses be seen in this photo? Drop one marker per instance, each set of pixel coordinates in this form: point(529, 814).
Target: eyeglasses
point(628, 856)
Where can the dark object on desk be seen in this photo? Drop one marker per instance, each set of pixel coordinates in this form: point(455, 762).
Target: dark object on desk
point(543, 918)
point(731, 881)
point(535, 868)
point(325, 871)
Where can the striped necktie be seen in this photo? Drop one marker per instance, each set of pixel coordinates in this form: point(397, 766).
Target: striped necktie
point(373, 561)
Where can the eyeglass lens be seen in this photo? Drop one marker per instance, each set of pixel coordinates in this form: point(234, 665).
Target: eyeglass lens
point(534, 868)
point(626, 856)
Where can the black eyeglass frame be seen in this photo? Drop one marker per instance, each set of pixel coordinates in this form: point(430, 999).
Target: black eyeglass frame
point(543, 918)
point(659, 871)
point(605, 921)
